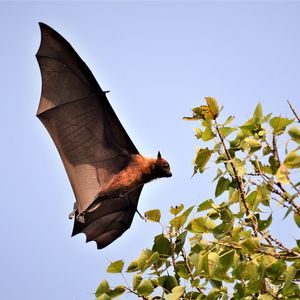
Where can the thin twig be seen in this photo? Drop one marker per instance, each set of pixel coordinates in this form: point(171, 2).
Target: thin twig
point(189, 268)
point(294, 111)
point(240, 184)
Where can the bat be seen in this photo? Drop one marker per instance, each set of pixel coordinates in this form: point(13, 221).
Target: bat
point(105, 169)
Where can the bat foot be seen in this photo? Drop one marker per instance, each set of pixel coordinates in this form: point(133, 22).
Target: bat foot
point(80, 217)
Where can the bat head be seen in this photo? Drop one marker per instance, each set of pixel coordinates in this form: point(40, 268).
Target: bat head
point(162, 167)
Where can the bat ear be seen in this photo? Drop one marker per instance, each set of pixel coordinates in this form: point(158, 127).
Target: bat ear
point(158, 155)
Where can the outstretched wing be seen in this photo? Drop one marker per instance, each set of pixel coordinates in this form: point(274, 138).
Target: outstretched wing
point(90, 139)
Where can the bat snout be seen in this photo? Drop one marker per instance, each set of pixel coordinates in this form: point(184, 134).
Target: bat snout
point(168, 174)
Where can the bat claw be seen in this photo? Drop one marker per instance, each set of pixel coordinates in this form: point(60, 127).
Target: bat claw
point(142, 217)
point(72, 214)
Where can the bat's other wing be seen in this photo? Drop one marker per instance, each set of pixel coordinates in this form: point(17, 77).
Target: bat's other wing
point(109, 220)
point(90, 139)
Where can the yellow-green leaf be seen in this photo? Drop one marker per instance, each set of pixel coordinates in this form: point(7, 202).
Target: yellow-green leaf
point(102, 288)
point(145, 288)
point(225, 131)
point(250, 244)
point(179, 221)
point(213, 106)
point(115, 267)
point(153, 215)
point(133, 266)
point(222, 186)
point(205, 205)
point(175, 210)
point(201, 225)
point(176, 293)
point(297, 219)
point(162, 246)
point(258, 114)
point(137, 279)
point(294, 133)
point(117, 291)
point(207, 134)
point(253, 144)
point(229, 120)
point(292, 160)
point(104, 297)
point(282, 174)
point(213, 261)
point(202, 159)
point(279, 124)
point(198, 133)
point(289, 276)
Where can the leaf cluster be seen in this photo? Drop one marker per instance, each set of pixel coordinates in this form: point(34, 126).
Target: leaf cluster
point(223, 247)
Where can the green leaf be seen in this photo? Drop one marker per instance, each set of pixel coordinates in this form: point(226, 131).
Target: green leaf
point(180, 240)
point(253, 144)
point(205, 205)
point(292, 160)
point(263, 224)
point(225, 131)
point(297, 219)
point(137, 279)
point(133, 266)
point(289, 276)
point(219, 173)
point(153, 215)
point(279, 124)
point(179, 221)
point(175, 210)
point(250, 244)
point(167, 282)
point(222, 186)
point(294, 133)
point(145, 288)
point(258, 114)
point(226, 260)
point(117, 291)
point(115, 267)
point(144, 256)
point(104, 297)
point(102, 288)
point(267, 150)
point(151, 261)
point(182, 270)
point(202, 159)
point(162, 245)
point(229, 120)
point(213, 106)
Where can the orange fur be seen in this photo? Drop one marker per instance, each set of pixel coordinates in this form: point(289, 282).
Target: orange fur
point(139, 171)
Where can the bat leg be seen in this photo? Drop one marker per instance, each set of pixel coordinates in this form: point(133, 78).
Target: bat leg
point(73, 212)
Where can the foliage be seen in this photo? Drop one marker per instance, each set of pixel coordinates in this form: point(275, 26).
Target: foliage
point(226, 249)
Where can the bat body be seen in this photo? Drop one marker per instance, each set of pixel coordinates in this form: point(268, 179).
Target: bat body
point(105, 169)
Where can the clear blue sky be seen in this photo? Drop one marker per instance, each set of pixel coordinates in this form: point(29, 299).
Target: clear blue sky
point(159, 59)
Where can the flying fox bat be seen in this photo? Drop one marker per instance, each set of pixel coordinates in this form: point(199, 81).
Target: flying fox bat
point(105, 169)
